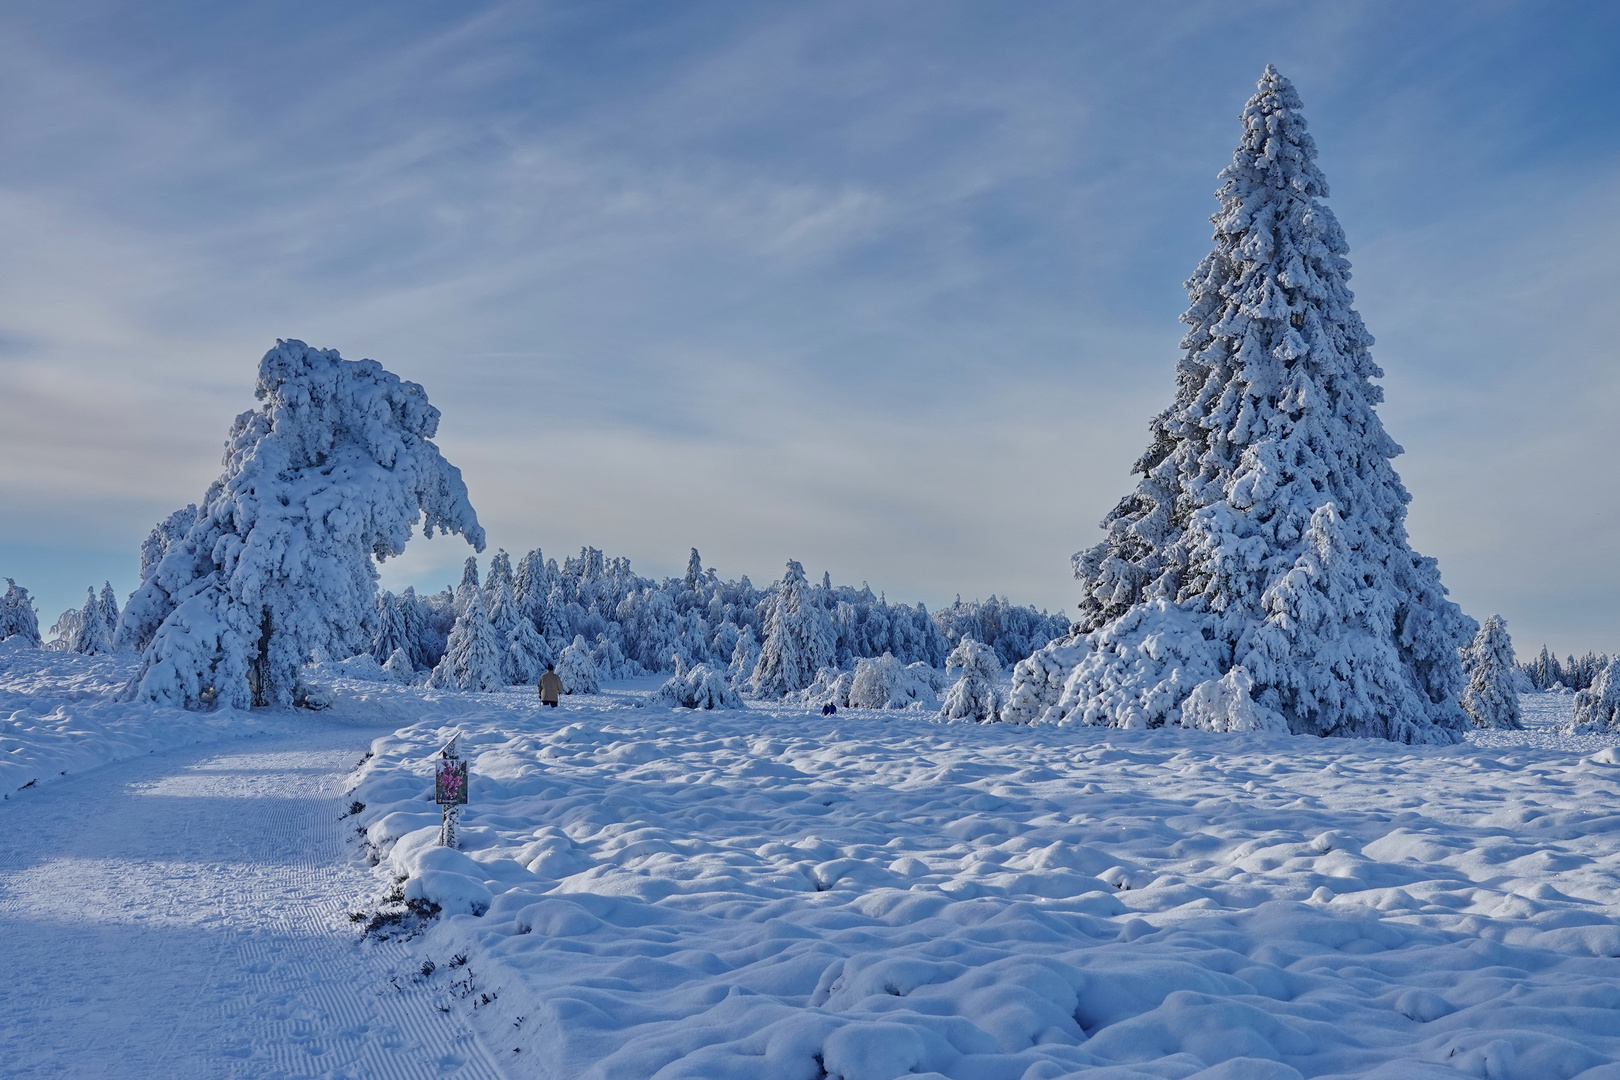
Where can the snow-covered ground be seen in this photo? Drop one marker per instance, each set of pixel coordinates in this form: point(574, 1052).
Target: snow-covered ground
point(184, 915)
point(769, 893)
point(58, 717)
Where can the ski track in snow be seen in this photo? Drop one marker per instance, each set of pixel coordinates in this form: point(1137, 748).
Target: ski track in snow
point(185, 915)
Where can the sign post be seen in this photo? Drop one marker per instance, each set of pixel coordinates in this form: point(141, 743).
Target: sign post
point(450, 788)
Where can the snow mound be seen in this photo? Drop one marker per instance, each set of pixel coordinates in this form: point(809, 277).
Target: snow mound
point(767, 892)
point(701, 688)
point(59, 715)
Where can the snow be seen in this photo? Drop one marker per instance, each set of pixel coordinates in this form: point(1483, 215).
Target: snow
point(185, 916)
point(58, 716)
point(768, 892)
point(763, 891)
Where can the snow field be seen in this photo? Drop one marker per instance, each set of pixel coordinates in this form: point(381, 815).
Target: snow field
point(773, 894)
point(57, 715)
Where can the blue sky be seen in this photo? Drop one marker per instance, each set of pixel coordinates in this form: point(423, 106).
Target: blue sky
point(889, 288)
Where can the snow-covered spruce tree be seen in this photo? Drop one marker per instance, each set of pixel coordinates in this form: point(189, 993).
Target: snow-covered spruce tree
point(577, 670)
point(1268, 529)
point(973, 695)
point(1597, 708)
point(527, 653)
point(399, 666)
point(469, 585)
point(1490, 698)
point(475, 658)
point(553, 624)
point(91, 634)
point(703, 687)
point(744, 657)
point(392, 632)
point(107, 602)
point(499, 576)
point(798, 638)
point(530, 585)
point(327, 477)
point(147, 609)
point(17, 616)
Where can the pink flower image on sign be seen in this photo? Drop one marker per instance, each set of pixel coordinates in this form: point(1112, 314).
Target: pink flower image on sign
point(450, 783)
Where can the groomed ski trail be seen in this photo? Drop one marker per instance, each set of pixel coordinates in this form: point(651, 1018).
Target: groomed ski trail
point(185, 915)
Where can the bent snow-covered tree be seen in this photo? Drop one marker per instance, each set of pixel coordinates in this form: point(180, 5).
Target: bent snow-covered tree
point(1268, 530)
point(329, 476)
point(1490, 699)
point(973, 696)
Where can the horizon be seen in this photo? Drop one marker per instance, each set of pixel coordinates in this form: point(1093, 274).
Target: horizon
point(893, 293)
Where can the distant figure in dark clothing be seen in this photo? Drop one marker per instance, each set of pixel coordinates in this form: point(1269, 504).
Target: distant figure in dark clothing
point(550, 687)
point(829, 709)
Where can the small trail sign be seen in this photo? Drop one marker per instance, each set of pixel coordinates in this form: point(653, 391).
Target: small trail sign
point(450, 789)
point(450, 783)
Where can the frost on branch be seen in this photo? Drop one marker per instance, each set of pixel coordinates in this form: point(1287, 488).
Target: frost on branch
point(329, 476)
point(1490, 698)
point(1268, 530)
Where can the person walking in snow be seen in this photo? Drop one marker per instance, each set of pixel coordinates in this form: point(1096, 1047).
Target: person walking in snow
point(550, 687)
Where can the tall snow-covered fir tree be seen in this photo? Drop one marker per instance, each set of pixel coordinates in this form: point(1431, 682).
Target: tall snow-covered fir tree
point(1490, 699)
point(527, 653)
point(469, 586)
point(91, 633)
point(799, 639)
point(500, 574)
point(107, 602)
point(1268, 530)
point(475, 656)
point(17, 615)
point(330, 475)
point(744, 657)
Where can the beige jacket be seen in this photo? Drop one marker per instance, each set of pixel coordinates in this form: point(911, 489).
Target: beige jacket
point(550, 686)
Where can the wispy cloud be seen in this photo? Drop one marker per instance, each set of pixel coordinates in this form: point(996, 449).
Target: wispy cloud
point(889, 289)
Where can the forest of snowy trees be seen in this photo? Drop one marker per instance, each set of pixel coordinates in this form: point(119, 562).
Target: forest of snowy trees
point(1546, 672)
point(503, 625)
point(1258, 577)
point(534, 611)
